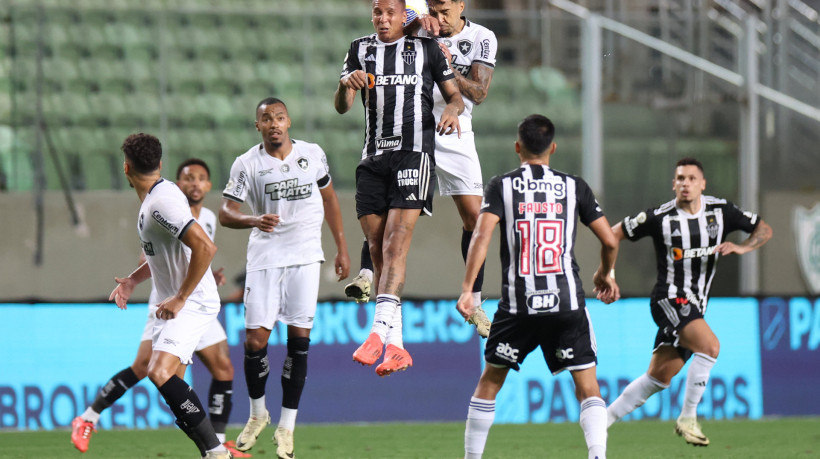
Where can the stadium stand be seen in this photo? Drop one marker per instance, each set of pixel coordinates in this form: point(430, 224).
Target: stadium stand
point(191, 71)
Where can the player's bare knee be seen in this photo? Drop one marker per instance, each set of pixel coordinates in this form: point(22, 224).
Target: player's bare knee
point(584, 391)
point(469, 221)
point(223, 370)
point(140, 369)
point(256, 339)
point(159, 375)
point(712, 348)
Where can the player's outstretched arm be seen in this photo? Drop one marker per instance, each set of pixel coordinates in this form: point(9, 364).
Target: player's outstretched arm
point(761, 235)
point(125, 285)
point(455, 106)
point(604, 278)
point(476, 255)
point(230, 216)
point(202, 253)
point(349, 85)
point(333, 217)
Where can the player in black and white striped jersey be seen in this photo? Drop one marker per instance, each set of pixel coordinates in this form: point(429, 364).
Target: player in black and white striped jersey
point(470, 49)
point(689, 234)
point(395, 178)
point(542, 300)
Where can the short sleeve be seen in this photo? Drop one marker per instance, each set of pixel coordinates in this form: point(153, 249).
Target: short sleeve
point(438, 63)
point(493, 201)
point(588, 208)
point(237, 187)
point(735, 218)
point(487, 48)
point(351, 63)
point(173, 215)
point(640, 225)
point(323, 171)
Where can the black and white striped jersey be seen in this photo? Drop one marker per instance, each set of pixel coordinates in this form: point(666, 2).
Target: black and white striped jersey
point(685, 244)
point(398, 100)
point(539, 209)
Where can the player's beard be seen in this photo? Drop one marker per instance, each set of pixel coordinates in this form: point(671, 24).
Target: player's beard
point(192, 202)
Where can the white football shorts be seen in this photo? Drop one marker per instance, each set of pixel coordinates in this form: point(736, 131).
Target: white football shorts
point(286, 294)
point(214, 334)
point(457, 166)
point(180, 336)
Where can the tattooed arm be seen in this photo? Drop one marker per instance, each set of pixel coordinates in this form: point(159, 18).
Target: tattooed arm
point(761, 234)
point(477, 85)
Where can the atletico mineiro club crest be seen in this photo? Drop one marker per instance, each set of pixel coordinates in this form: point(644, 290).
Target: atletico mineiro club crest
point(806, 225)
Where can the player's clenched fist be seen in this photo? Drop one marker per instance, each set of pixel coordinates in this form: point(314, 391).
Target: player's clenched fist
point(355, 80)
point(267, 222)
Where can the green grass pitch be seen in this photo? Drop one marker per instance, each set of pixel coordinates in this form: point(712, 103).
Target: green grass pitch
point(769, 438)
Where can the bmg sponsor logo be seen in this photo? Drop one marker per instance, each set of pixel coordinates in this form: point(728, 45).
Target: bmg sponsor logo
point(553, 186)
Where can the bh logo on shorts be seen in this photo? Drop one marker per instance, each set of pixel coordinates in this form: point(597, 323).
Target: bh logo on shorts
point(506, 352)
point(564, 354)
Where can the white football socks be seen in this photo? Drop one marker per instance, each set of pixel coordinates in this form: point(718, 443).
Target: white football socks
point(91, 415)
point(368, 274)
point(593, 423)
point(480, 417)
point(287, 418)
point(258, 408)
point(634, 395)
point(696, 379)
point(385, 309)
point(394, 332)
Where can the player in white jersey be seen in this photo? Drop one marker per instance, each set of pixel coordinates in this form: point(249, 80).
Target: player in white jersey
point(470, 50)
point(193, 179)
point(190, 301)
point(286, 183)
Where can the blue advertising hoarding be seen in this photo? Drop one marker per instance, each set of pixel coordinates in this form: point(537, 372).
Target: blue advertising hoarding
point(625, 335)
point(57, 356)
point(790, 336)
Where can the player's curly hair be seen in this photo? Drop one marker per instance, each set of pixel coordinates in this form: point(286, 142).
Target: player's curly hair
point(143, 152)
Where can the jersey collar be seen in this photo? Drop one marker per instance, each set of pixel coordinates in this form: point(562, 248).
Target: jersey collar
point(155, 184)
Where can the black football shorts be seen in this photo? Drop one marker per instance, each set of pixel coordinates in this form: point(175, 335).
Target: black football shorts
point(395, 179)
point(566, 339)
point(671, 315)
